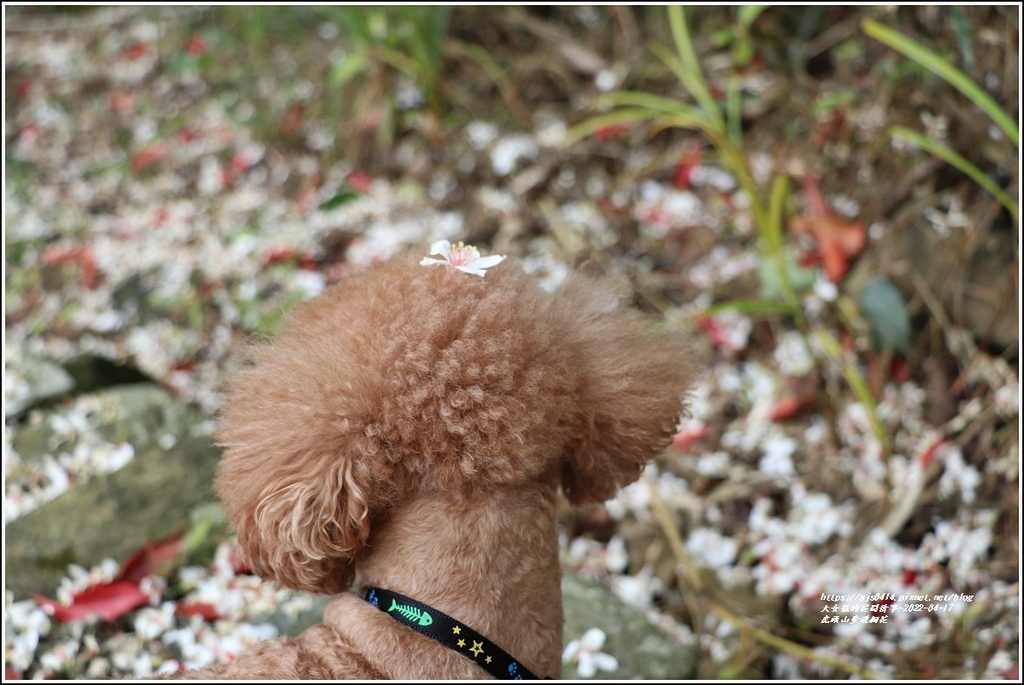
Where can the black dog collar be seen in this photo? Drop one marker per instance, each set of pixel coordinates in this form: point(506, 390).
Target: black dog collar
point(450, 633)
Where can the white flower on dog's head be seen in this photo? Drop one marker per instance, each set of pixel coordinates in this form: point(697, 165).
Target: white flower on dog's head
point(462, 257)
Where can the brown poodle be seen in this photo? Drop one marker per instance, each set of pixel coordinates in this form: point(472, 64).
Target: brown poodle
point(413, 424)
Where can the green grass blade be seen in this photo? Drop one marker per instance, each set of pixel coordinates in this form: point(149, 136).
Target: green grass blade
point(734, 111)
point(673, 62)
point(943, 69)
point(428, 30)
point(763, 307)
point(948, 155)
point(403, 63)
point(655, 103)
point(691, 66)
point(495, 72)
point(776, 205)
point(855, 379)
point(353, 22)
point(595, 124)
point(746, 15)
point(697, 123)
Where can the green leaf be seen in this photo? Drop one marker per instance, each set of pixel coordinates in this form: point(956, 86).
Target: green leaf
point(343, 196)
point(944, 70)
point(885, 309)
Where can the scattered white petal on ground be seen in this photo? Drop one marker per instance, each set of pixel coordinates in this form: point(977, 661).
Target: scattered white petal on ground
point(210, 236)
point(586, 653)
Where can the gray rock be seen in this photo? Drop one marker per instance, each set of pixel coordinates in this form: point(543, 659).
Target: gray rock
point(112, 515)
point(42, 380)
point(644, 651)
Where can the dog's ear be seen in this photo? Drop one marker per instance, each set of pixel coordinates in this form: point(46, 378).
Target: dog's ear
point(300, 479)
point(633, 383)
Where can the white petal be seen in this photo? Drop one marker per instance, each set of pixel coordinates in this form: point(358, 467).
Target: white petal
point(466, 268)
point(570, 651)
point(586, 668)
point(441, 247)
point(427, 261)
point(606, 662)
point(488, 262)
point(593, 639)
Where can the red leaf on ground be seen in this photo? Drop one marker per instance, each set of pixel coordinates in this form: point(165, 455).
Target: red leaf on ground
point(837, 239)
point(718, 333)
point(187, 135)
point(900, 371)
point(683, 176)
point(799, 397)
point(787, 408)
point(204, 609)
point(1013, 673)
point(151, 558)
point(359, 180)
point(134, 52)
point(713, 331)
point(22, 87)
point(10, 673)
point(186, 366)
point(196, 46)
point(241, 161)
point(929, 452)
point(106, 600)
point(58, 254)
point(684, 439)
point(148, 155)
point(277, 255)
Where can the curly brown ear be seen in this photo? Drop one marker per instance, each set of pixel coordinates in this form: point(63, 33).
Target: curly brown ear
point(299, 471)
point(634, 380)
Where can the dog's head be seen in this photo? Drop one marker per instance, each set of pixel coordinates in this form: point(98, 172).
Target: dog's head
point(405, 378)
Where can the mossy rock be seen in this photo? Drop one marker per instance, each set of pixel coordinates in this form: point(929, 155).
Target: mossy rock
point(644, 651)
point(112, 515)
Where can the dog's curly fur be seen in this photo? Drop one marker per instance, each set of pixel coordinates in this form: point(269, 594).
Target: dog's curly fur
point(415, 424)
